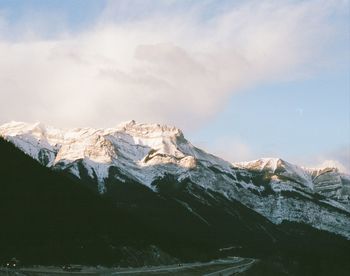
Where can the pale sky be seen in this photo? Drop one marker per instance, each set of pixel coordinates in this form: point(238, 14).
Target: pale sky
point(243, 79)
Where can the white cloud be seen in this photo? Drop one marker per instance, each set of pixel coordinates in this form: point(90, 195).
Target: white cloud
point(337, 158)
point(231, 149)
point(332, 164)
point(174, 67)
point(234, 150)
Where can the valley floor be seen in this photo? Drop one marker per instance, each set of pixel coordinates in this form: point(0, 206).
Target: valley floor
point(218, 267)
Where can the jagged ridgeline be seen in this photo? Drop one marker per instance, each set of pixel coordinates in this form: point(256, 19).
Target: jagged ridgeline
point(51, 217)
point(145, 153)
point(140, 194)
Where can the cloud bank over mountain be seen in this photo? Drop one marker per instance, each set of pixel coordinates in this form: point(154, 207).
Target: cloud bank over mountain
point(174, 63)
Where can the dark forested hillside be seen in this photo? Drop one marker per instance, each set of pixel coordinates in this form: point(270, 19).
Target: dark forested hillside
point(50, 217)
point(47, 217)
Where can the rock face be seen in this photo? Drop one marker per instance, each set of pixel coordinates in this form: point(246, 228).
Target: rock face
point(50, 217)
point(316, 197)
point(151, 153)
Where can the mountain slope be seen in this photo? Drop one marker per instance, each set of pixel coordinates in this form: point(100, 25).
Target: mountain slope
point(48, 217)
point(59, 215)
point(52, 217)
point(284, 191)
point(144, 153)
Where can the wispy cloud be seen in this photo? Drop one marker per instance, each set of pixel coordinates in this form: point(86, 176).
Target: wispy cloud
point(231, 149)
point(339, 158)
point(169, 62)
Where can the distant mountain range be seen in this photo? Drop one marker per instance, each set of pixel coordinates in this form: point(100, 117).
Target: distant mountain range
point(144, 190)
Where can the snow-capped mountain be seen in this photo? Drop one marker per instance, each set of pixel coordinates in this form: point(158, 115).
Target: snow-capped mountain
point(148, 153)
point(143, 152)
point(318, 197)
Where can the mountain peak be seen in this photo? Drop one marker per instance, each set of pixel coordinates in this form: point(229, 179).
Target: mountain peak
point(15, 126)
point(266, 163)
point(149, 130)
point(126, 124)
point(130, 144)
point(148, 153)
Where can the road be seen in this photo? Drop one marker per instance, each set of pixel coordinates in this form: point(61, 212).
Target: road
point(234, 269)
point(222, 267)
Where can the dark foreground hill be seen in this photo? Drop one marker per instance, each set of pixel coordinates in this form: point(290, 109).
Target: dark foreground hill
point(50, 217)
point(47, 217)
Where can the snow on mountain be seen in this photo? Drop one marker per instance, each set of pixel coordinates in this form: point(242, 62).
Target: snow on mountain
point(280, 168)
point(297, 194)
point(138, 149)
point(147, 152)
point(331, 183)
point(325, 181)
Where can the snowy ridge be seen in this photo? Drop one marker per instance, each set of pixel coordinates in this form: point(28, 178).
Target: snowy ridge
point(325, 181)
point(279, 167)
point(136, 148)
point(146, 152)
